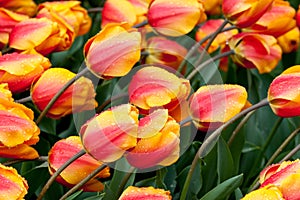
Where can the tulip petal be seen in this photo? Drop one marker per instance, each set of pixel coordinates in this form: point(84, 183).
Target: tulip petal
point(145, 193)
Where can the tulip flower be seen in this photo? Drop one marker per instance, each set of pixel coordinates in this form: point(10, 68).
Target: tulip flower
point(283, 93)
point(213, 105)
point(212, 7)
point(108, 135)
point(78, 97)
point(208, 28)
point(244, 13)
point(165, 52)
point(269, 192)
point(5, 93)
point(8, 20)
point(25, 7)
point(144, 193)
point(154, 87)
point(21, 70)
point(289, 41)
point(270, 25)
point(298, 17)
point(254, 50)
point(65, 149)
point(119, 47)
point(158, 141)
point(12, 185)
point(175, 17)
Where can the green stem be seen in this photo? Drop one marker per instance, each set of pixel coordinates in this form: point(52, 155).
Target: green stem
point(11, 162)
point(202, 65)
point(293, 152)
point(56, 174)
point(208, 143)
point(59, 93)
point(24, 100)
point(83, 181)
point(95, 10)
point(124, 181)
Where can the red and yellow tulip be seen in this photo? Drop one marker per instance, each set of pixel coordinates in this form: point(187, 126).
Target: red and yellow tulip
point(269, 192)
point(213, 105)
point(25, 7)
point(65, 149)
point(298, 17)
point(254, 50)
point(119, 47)
point(12, 185)
point(78, 97)
point(283, 93)
point(145, 193)
point(289, 41)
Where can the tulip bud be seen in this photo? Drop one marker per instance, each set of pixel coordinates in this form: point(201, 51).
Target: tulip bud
point(283, 93)
point(65, 149)
point(145, 193)
point(25, 7)
point(119, 47)
point(78, 97)
point(12, 185)
point(254, 50)
point(289, 41)
point(213, 105)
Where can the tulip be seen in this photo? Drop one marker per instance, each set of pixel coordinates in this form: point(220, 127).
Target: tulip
point(8, 20)
point(119, 47)
point(298, 17)
point(166, 52)
point(67, 13)
point(212, 7)
point(244, 13)
point(78, 97)
point(21, 70)
point(154, 87)
point(12, 185)
point(270, 25)
point(210, 27)
point(141, 9)
point(158, 141)
point(289, 41)
point(65, 149)
point(5, 93)
point(144, 193)
point(175, 17)
point(268, 192)
point(283, 93)
point(255, 51)
point(108, 135)
point(25, 7)
point(213, 105)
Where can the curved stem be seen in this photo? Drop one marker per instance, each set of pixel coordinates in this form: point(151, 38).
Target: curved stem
point(11, 162)
point(211, 140)
point(293, 152)
point(59, 170)
point(199, 67)
point(95, 10)
point(83, 181)
point(143, 23)
point(59, 93)
point(185, 121)
point(24, 100)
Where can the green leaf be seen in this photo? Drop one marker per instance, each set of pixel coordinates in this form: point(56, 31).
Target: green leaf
point(73, 196)
point(160, 176)
point(225, 161)
point(48, 125)
point(223, 190)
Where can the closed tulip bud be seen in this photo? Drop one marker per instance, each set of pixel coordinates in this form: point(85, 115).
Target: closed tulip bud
point(144, 193)
point(154, 87)
point(119, 47)
point(25, 7)
point(269, 192)
point(165, 52)
point(243, 13)
point(175, 17)
point(254, 50)
point(283, 94)
point(12, 185)
point(108, 135)
point(80, 96)
point(65, 149)
point(21, 70)
point(276, 26)
point(213, 105)
point(289, 41)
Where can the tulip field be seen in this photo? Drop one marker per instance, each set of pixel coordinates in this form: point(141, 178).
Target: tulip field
point(150, 100)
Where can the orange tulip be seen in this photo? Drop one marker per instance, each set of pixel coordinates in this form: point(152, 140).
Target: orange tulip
point(12, 185)
point(276, 21)
point(25, 7)
point(289, 41)
point(158, 141)
point(65, 149)
point(78, 97)
point(213, 105)
point(175, 17)
point(119, 47)
point(269, 192)
point(166, 52)
point(244, 13)
point(21, 70)
point(108, 135)
point(254, 50)
point(154, 87)
point(283, 94)
point(145, 193)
